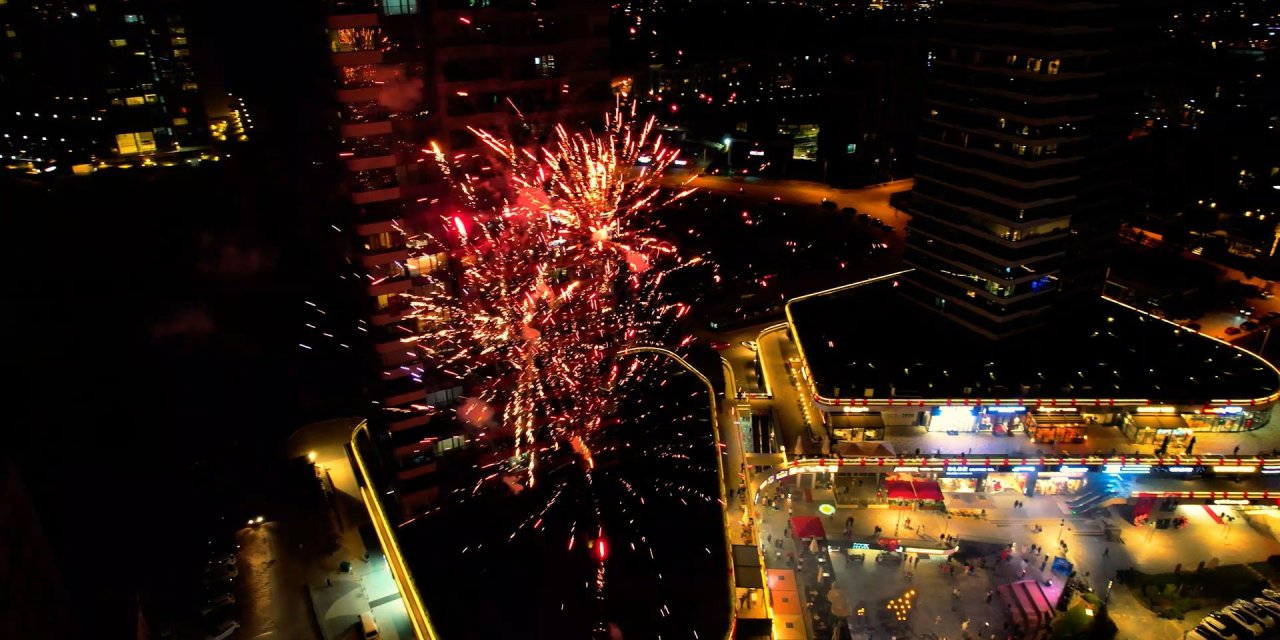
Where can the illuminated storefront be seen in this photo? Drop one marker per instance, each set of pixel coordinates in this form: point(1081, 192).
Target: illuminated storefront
point(1065, 481)
point(953, 419)
point(1002, 421)
point(1151, 425)
point(1052, 424)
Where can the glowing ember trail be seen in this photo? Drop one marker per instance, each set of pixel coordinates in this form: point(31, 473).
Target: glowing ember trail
point(556, 274)
point(555, 271)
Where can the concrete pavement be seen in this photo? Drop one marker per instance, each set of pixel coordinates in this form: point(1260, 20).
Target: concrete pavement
point(338, 598)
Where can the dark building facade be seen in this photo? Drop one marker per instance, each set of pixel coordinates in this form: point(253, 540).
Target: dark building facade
point(409, 74)
point(86, 82)
point(1020, 173)
point(36, 604)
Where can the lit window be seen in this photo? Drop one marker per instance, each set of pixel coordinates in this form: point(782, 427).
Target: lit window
point(151, 98)
point(181, 53)
point(92, 7)
point(179, 122)
point(11, 33)
point(399, 7)
point(177, 29)
point(190, 86)
point(1033, 65)
point(354, 39)
point(135, 101)
point(179, 41)
point(133, 143)
point(118, 42)
point(430, 263)
point(546, 65)
point(133, 18)
point(1054, 65)
point(1011, 59)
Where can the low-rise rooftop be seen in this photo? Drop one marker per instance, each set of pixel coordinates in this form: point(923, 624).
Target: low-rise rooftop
point(868, 342)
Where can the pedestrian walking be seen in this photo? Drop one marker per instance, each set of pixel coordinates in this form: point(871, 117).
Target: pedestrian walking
point(964, 626)
point(1236, 450)
point(990, 594)
point(328, 582)
point(938, 618)
point(1106, 552)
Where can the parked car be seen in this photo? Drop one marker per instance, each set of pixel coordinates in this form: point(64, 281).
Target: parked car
point(1237, 623)
point(1271, 595)
point(829, 205)
point(217, 603)
point(718, 345)
point(1195, 634)
point(226, 558)
point(368, 628)
point(1270, 315)
point(1232, 331)
point(1249, 325)
point(1268, 606)
point(850, 210)
point(1258, 614)
point(750, 344)
point(863, 218)
point(1194, 326)
point(1215, 629)
point(223, 630)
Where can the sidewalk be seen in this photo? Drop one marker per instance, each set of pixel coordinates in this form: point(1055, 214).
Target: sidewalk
point(337, 598)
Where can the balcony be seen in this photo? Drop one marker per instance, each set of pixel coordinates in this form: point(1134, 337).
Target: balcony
point(377, 195)
point(353, 13)
point(365, 129)
point(404, 391)
point(408, 421)
point(365, 164)
point(390, 287)
point(383, 256)
point(352, 58)
point(374, 228)
point(363, 94)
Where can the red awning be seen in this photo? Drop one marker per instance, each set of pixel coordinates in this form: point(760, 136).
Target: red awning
point(1142, 509)
point(899, 490)
point(808, 527)
point(927, 489)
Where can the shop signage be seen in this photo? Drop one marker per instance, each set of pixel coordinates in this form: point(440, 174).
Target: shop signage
point(1127, 468)
point(859, 545)
point(1235, 469)
point(968, 471)
point(1230, 501)
point(1066, 468)
point(1270, 468)
point(1180, 469)
point(1024, 469)
point(906, 469)
point(1006, 409)
point(1226, 411)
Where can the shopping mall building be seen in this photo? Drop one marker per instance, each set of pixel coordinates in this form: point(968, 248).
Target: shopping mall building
point(871, 361)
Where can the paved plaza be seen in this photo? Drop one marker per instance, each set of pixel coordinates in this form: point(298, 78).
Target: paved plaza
point(999, 547)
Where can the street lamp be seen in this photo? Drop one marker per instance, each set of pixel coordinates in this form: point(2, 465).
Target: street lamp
point(728, 153)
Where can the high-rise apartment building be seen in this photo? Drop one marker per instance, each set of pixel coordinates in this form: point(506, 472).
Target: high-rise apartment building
point(413, 72)
point(1020, 180)
point(98, 81)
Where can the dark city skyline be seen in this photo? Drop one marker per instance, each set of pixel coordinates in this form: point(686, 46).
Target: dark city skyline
point(733, 319)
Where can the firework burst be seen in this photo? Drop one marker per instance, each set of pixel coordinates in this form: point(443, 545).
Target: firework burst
point(555, 274)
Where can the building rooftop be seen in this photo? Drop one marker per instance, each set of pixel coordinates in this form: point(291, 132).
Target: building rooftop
point(868, 342)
